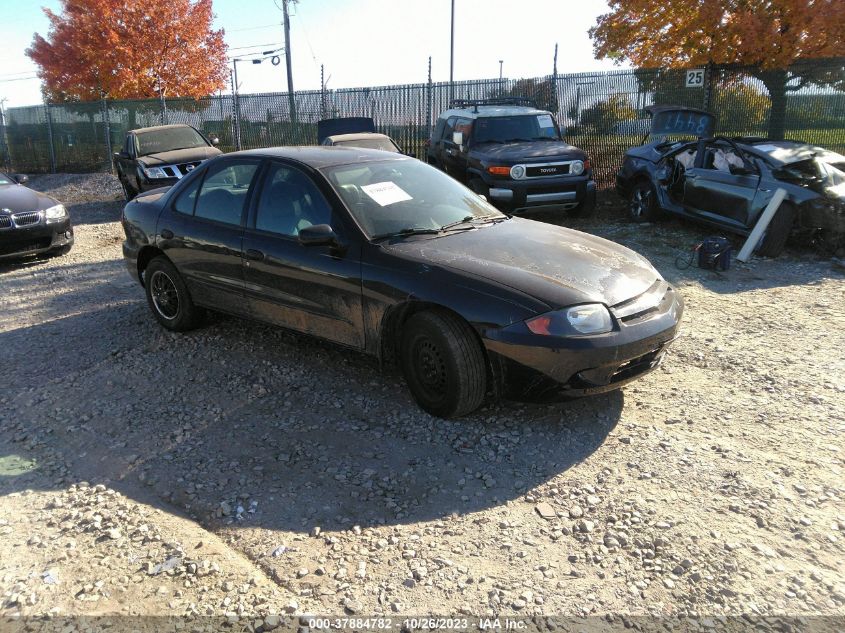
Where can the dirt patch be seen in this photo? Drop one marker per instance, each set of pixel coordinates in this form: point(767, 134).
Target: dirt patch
point(712, 486)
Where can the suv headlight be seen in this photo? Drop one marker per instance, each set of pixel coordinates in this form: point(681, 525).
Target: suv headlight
point(55, 213)
point(517, 172)
point(586, 319)
point(576, 168)
point(154, 172)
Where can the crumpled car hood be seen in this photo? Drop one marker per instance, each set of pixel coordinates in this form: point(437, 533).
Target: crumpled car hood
point(555, 265)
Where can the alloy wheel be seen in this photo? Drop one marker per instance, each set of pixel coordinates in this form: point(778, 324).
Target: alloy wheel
point(164, 294)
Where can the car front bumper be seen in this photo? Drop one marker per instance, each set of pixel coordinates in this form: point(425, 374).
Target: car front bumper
point(534, 365)
point(35, 239)
point(565, 192)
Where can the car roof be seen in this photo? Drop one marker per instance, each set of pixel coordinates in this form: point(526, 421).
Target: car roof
point(358, 136)
point(482, 111)
point(320, 156)
point(160, 127)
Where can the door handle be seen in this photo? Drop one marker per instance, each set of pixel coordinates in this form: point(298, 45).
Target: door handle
point(254, 255)
point(167, 234)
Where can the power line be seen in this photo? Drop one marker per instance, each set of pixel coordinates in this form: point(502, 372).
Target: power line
point(238, 48)
point(18, 79)
point(253, 28)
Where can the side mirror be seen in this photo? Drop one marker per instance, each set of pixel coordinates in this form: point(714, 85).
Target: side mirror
point(121, 154)
point(318, 235)
point(458, 138)
point(21, 178)
point(215, 141)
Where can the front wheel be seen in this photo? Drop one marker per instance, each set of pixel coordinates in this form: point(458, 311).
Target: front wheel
point(642, 203)
point(585, 209)
point(443, 364)
point(168, 297)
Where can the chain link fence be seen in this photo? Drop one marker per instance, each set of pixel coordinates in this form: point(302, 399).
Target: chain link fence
point(601, 112)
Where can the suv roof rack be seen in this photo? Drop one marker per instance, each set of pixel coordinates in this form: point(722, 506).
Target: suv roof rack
point(514, 101)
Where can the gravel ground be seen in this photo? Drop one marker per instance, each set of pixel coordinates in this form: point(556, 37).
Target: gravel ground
point(240, 470)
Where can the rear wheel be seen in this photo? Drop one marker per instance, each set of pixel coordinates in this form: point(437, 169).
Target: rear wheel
point(443, 364)
point(642, 203)
point(168, 297)
point(777, 233)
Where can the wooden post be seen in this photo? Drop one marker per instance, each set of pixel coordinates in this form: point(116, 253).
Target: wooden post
point(760, 227)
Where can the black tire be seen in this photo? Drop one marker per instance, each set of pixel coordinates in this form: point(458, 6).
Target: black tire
point(585, 209)
point(168, 297)
point(642, 203)
point(777, 233)
point(443, 364)
point(59, 252)
point(128, 192)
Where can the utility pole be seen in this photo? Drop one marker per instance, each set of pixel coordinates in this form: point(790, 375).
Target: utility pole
point(322, 92)
point(291, 99)
point(452, 57)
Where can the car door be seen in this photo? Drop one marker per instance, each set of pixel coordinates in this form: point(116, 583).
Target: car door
point(308, 288)
point(201, 231)
point(454, 155)
point(126, 162)
point(722, 185)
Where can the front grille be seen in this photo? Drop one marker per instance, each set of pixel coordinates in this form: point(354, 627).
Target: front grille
point(26, 219)
point(5, 222)
point(183, 169)
point(644, 304)
point(546, 170)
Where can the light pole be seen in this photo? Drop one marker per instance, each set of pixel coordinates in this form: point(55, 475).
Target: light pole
point(501, 85)
point(452, 57)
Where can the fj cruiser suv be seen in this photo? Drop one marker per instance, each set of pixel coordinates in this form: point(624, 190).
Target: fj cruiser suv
point(512, 153)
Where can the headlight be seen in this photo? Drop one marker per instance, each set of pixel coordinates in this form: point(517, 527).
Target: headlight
point(576, 168)
point(154, 172)
point(56, 213)
point(589, 318)
point(517, 172)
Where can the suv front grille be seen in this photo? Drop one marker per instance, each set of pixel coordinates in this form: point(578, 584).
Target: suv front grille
point(180, 170)
point(546, 170)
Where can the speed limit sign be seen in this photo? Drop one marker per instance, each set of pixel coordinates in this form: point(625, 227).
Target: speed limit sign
point(695, 78)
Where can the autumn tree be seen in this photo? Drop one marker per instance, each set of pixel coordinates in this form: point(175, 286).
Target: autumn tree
point(605, 115)
point(130, 49)
point(542, 92)
point(772, 35)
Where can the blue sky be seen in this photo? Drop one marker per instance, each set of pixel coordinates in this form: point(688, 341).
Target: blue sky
point(360, 42)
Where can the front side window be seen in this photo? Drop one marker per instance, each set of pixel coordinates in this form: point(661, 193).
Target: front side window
point(387, 197)
point(224, 191)
point(290, 201)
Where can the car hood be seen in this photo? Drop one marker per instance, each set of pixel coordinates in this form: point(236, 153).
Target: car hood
point(555, 265)
point(17, 198)
point(528, 151)
point(177, 156)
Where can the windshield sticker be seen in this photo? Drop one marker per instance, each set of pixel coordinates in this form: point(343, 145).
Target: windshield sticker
point(385, 193)
point(545, 120)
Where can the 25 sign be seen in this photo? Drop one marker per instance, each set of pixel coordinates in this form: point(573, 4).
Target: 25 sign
point(695, 78)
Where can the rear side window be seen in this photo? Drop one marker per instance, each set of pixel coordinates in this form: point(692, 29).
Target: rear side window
point(224, 190)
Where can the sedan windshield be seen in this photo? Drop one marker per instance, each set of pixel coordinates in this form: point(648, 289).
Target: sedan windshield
point(506, 129)
point(5, 180)
point(407, 196)
point(168, 139)
point(371, 143)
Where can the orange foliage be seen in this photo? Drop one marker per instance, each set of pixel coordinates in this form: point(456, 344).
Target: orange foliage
point(769, 33)
point(122, 49)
